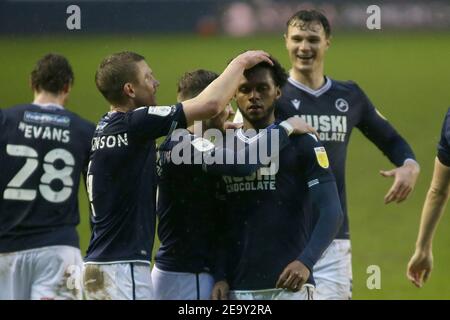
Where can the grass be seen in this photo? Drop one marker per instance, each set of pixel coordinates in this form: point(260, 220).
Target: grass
point(406, 76)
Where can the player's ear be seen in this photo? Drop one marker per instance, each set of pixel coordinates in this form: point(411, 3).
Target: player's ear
point(129, 90)
point(66, 88)
point(278, 92)
point(285, 39)
point(328, 42)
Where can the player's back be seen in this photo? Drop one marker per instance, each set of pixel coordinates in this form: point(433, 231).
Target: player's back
point(43, 151)
point(188, 211)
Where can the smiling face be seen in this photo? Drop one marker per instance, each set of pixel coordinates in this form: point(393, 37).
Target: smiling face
point(307, 44)
point(256, 96)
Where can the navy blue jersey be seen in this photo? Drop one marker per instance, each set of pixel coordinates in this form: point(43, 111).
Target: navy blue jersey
point(271, 217)
point(189, 207)
point(43, 151)
point(334, 110)
point(122, 182)
point(443, 150)
point(188, 213)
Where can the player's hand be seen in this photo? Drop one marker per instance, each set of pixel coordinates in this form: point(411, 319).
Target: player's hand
point(232, 125)
point(419, 267)
point(294, 276)
point(220, 291)
point(404, 181)
point(301, 126)
point(249, 59)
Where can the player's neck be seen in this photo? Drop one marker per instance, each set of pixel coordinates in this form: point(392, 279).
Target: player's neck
point(44, 97)
point(312, 80)
point(259, 124)
point(122, 108)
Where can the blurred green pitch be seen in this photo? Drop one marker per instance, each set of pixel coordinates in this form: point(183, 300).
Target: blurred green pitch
point(406, 75)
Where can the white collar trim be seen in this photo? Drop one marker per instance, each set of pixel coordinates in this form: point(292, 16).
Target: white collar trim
point(315, 93)
point(241, 135)
point(49, 105)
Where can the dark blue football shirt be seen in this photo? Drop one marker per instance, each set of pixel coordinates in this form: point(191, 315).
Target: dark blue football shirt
point(122, 182)
point(43, 151)
point(334, 110)
point(443, 152)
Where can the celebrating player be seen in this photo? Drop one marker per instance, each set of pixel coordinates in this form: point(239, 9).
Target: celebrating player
point(44, 148)
point(283, 217)
point(334, 108)
point(122, 168)
point(189, 210)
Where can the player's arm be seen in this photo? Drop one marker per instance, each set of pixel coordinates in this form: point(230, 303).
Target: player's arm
point(421, 263)
point(219, 270)
point(276, 135)
point(156, 121)
point(217, 95)
point(378, 130)
point(325, 201)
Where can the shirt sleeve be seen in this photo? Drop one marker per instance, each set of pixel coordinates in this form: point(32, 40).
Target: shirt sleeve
point(155, 121)
point(378, 130)
point(314, 160)
point(443, 148)
point(323, 193)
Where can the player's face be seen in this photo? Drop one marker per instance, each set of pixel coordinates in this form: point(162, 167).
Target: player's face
point(256, 96)
point(145, 86)
point(306, 44)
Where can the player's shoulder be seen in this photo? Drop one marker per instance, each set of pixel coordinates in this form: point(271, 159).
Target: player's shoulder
point(80, 121)
point(447, 116)
point(14, 112)
point(446, 126)
point(349, 86)
point(179, 138)
point(305, 141)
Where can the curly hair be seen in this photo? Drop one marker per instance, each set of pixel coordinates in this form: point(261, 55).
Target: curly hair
point(278, 73)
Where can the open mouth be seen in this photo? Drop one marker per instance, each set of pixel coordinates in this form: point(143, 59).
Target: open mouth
point(305, 58)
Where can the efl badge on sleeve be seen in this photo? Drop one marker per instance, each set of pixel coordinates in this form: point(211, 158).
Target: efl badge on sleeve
point(160, 111)
point(322, 157)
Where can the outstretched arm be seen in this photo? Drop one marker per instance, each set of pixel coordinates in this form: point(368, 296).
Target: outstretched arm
point(421, 263)
point(378, 130)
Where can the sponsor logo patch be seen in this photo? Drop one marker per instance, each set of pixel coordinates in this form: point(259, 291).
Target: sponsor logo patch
point(322, 158)
point(46, 118)
point(161, 111)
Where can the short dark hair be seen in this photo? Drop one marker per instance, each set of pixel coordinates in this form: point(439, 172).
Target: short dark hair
point(51, 73)
point(278, 73)
point(194, 82)
point(114, 71)
point(309, 16)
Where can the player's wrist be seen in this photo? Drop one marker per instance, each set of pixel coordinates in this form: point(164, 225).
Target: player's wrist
point(423, 247)
point(287, 126)
point(413, 164)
